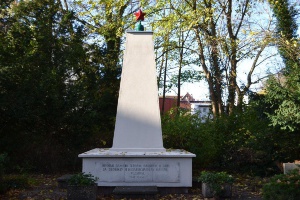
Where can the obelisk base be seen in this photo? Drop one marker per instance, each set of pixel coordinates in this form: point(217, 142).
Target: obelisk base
point(162, 169)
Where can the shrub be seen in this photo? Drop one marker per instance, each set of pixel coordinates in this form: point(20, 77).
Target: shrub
point(82, 179)
point(283, 186)
point(216, 177)
point(181, 130)
point(242, 142)
point(216, 181)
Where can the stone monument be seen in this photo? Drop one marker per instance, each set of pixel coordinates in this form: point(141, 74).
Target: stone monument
point(137, 157)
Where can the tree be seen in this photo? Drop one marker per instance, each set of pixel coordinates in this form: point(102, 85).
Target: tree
point(105, 22)
point(286, 30)
point(283, 92)
point(174, 62)
point(49, 98)
point(225, 33)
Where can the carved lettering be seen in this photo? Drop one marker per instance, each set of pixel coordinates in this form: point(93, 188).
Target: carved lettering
point(141, 172)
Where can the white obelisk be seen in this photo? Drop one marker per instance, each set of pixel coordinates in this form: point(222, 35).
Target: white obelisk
point(138, 124)
point(137, 157)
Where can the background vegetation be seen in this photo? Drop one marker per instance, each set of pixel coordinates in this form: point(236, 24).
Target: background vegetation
point(60, 65)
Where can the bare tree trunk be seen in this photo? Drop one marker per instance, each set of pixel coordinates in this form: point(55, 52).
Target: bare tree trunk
point(181, 42)
point(217, 75)
point(208, 75)
point(160, 70)
point(165, 80)
point(232, 84)
point(232, 58)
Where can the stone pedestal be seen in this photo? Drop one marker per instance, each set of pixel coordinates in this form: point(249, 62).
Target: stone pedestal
point(137, 157)
point(162, 169)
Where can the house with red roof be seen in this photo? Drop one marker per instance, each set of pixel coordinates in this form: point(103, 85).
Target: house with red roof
point(201, 108)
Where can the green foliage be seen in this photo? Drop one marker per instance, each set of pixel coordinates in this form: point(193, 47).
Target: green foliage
point(187, 76)
point(283, 95)
point(216, 181)
point(242, 142)
point(245, 138)
point(215, 36)
point(54, 96)
point(247, 144)
point(215, 177)
point(281, 147)
point(286, 28)
point(283, 186)
point(82, 179)
point(185, 131)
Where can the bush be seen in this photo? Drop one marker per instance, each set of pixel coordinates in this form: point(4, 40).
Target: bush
point(181, 130)
point(215, 177)
point(82, 179)
point(283, 186)
point(236, 143)
point(216, 181)
point(242, 142)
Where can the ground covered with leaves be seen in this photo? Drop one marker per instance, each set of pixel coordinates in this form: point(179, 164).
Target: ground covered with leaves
point(45, 187)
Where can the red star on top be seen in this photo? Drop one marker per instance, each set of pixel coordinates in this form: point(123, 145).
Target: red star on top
point(139, 15)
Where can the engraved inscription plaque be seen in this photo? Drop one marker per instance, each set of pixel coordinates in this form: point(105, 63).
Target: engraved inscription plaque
point(133, 171)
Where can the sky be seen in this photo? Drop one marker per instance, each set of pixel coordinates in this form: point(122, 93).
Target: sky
point(199, 90)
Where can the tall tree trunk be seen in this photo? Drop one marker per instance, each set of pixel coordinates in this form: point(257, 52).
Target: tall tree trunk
point(233, 61)
point(217, 74)
point(181, 43)
point(165, 81)
point(208, 75)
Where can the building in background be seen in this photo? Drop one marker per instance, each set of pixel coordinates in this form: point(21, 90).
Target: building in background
point(201, 108)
